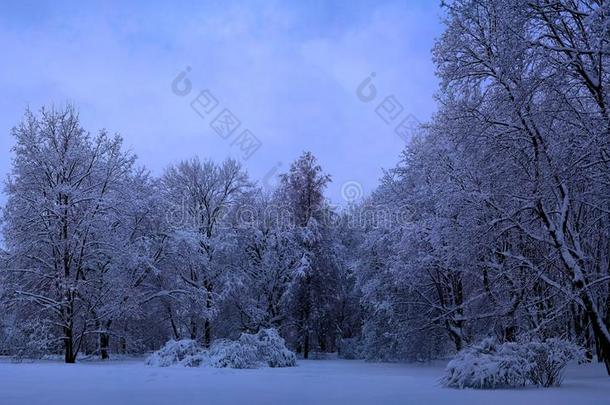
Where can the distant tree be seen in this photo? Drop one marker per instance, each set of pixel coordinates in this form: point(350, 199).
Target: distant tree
point(312, 292)
point(268, 258)
point(204, 194)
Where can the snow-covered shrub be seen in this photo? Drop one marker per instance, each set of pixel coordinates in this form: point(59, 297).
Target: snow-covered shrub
point(196, 360)
point(270, 347)
point(350, 348)
point(550, 358)
point(174, 352)
point(233, 354)
point(489, 365)
point(266, 348)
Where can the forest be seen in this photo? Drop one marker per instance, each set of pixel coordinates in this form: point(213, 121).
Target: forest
point(494, 222)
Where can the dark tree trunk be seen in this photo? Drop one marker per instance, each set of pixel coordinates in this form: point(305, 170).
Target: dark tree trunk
point(306, 344)
point(207, 333)
point(207, 325)
point(193, 328)
point(588, 344)
point(322, 341)
point(173, 323)
point(69, 356)
point(104, 343)
point(457, 341)
point(603, 341)
point(306, 315)
point(600, 329)
point(602, 348)
point(123, 345)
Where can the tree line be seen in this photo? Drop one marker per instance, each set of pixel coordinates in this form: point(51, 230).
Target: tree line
point(495, 221)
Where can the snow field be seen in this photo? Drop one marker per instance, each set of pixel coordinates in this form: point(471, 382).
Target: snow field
point(311, 382)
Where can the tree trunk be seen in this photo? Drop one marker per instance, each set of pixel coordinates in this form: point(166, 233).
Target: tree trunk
point(603, 340)
point(173, 323)
point(207, 325)
point(572, 263)
point(193, 328)
point(322, 341)
point(69, 345)
point(306, 344)
point(123, 345)
point(207, 333)
point(104, 342)
point(455, 336)
point(69, 350)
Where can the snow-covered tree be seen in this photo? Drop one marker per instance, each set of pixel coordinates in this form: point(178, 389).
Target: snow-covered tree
point(64, 194)
point(313, 290)
point(203, 195)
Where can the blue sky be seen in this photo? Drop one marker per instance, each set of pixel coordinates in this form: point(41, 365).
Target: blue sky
point(287, 70)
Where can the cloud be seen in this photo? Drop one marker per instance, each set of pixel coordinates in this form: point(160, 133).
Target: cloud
point(288, 71)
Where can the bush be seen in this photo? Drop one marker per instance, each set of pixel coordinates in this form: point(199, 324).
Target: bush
point(266, 348)
point(489, 364)
point(174, 352)
point(550, 359)
point(270, 348)
point(196, 360)
point(233, 354)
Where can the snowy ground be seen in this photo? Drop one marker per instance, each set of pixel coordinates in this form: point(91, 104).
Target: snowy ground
point(312, 382)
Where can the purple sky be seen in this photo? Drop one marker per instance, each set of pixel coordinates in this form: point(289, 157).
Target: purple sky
point(287, 70)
